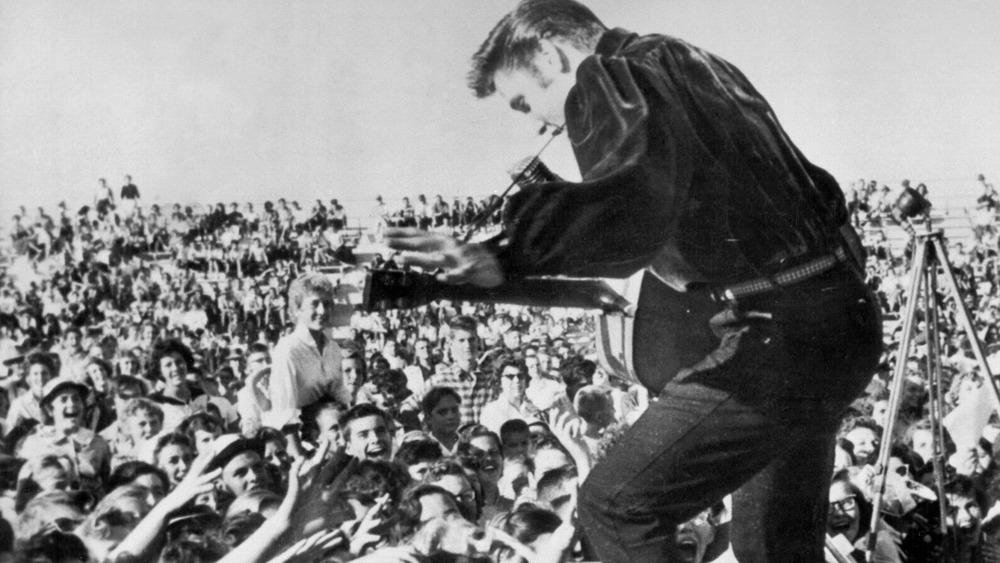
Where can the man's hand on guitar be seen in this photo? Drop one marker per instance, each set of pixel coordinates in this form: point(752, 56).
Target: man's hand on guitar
point(459, 262)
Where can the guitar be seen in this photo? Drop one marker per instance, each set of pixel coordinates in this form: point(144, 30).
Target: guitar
point(407, 289)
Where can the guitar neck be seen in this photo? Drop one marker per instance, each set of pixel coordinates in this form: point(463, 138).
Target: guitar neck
point(418, 289)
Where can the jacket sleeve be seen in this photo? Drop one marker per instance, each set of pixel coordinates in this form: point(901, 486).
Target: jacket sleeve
point(636, 162)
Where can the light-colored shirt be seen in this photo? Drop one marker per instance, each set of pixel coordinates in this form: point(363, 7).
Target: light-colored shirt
point(501, 410)
point(301, 375)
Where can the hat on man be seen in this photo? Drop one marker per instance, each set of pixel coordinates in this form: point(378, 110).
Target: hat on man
point(59, 384)
point(228, 446)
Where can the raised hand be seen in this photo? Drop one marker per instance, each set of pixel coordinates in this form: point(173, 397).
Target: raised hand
point(568, 428)
point(194, 483)
point(361, 531)
point(311, 548)
point(460, 262)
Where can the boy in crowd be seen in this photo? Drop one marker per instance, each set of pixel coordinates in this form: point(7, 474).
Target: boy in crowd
point(366, 432)
point(306, 364)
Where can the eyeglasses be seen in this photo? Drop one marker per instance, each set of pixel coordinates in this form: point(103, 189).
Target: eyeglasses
point(516, 375)
point(467, 496)
point(844, 505)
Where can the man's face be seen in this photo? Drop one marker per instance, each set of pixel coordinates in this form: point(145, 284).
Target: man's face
point(445, 417)
point(244, 473)
point(516, 443)
point(965, 518)
point(464, 347)
point(369, 438)
point(257, 361)
point(315, 312)
point(66, 406)
point(534, 92)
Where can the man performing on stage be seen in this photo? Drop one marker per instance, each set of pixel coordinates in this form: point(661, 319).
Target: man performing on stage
point(754, 325)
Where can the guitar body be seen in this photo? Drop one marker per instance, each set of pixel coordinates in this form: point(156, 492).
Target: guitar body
point(670, 332)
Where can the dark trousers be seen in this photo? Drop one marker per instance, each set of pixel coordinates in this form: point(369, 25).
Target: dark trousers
point(758, 414)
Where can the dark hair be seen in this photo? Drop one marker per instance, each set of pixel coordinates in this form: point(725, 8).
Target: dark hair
point(129, 471)
point(238, 527)
point(515, 39)
point(390, 381)
point(577, 373)
point(527, 522)
point(505, 362)
point(188, 551)
point(257, 348)
point(464, 323)
point(965, 486)
point(435, 396)
point(51, 546)
point(409, 509)
point(418, 451)
point(479, 431)
point(50, 361)
point(552, 479)
point(172, 439)
point(359, 411)
point(513, 425)
point(449, 466)
point(374, 477)
point(864, 505)
point(167, 346)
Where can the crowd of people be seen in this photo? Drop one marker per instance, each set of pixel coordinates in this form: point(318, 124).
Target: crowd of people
point(172, 391)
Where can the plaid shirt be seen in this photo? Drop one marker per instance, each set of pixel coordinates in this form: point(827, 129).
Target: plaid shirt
point(476, 389)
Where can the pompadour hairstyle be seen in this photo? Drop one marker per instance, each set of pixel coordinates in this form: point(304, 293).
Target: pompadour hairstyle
point(514, 41)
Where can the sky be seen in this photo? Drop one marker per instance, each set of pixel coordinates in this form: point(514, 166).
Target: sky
point(253, 100)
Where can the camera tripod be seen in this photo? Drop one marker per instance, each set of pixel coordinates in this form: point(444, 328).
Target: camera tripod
point(929, 256)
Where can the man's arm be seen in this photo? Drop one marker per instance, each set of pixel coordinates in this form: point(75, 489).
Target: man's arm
point(609, 225)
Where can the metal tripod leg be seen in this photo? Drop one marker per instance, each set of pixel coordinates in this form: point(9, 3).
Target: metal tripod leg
point(920, 252)
point(934, 381)
point(966, 319)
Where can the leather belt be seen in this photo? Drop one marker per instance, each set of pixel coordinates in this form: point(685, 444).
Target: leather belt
point(791, 276)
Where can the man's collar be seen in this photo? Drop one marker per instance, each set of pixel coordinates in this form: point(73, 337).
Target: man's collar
point(612, 41)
